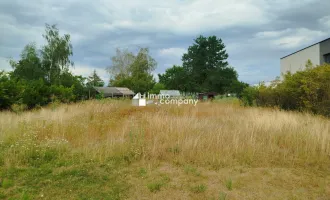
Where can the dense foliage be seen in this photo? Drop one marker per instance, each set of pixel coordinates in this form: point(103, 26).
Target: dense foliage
point(43, 76)
point(307, 90)
point(132, 71)
point(204, 69)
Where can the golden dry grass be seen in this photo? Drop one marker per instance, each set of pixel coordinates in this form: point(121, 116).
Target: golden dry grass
point(266, 153)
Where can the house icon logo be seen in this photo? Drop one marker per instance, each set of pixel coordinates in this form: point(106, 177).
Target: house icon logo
point(139, 100)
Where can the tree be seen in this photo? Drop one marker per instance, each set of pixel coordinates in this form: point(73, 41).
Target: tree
point(206, 65)
point(56, 54)
point(34, 93)
point(9, 90)
point(238, 87)
point(141, 78)
point(174, 78)
point(157, 88)
point(133, 71)
point(222, 80)
point(79, 90)
point(121, 64)
point(29, 66)
point(94, 80)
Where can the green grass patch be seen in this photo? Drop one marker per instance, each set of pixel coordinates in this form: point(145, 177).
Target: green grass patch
point(82, 181)
point(155, 186)
point(229, 184)
point(198, 188)
point(142, 172)
point(188, 169)
point(7, 183)
point(222, 196)
point(2, 195)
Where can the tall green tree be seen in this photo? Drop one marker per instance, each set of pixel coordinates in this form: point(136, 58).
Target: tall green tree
point(56, 54)
point(94, 80)
point(157, 88)
point(206, 65)
point(68, 80)
point(9, 90)
point(174, 78)
point(121, 64)
point(29, 66)
point(40, 76)
point(133, 71)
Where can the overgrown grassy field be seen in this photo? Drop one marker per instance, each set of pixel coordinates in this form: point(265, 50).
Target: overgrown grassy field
point(111, 150)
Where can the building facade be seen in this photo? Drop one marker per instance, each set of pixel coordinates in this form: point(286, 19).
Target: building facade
point(318, 53)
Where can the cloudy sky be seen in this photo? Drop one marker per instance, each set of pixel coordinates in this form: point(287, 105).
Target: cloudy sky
point(257, 33)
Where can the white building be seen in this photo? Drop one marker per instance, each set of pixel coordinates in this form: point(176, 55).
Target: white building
point(318, 53)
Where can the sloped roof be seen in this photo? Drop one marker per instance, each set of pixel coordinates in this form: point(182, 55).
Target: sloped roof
point(125, 91)
point(305, 48)
point(173, 93)
point(109, 91)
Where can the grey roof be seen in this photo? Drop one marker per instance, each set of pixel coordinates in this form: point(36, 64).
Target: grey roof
point(305, 48)
point(109, 91)
point(173, 93)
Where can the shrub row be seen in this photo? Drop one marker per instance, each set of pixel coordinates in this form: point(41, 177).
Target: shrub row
point(307, 91)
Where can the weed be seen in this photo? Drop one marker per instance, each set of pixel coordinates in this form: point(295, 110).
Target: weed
point(142, 172)
point(198, 188)
point(7, 183)
point(155, 186)
point(175, 150)
point(229, 184)
point(2, 195)
point(191, 170)
point(222, 196)
point(25, 196)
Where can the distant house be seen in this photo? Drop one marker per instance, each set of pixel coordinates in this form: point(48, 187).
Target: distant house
point(318, 53)
point(114, 92)
point(206, 95)
point(170, 93)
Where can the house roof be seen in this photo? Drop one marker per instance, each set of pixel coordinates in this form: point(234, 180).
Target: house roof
point(306, 47)
point(173, 93)
point(125, 90)
point(109, 91)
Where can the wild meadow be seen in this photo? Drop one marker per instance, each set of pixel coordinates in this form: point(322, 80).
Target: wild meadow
point(109, 149)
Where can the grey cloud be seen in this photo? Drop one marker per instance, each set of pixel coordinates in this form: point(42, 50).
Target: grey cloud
point(97, 30)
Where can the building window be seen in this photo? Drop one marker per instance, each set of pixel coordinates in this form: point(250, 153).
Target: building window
point(327, 58)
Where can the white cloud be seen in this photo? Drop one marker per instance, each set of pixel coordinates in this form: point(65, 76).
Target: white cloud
point(183, 17)
point(272, 34)
point(290, 38)
point(86, 70)
point(325, 21)
point(175, 52)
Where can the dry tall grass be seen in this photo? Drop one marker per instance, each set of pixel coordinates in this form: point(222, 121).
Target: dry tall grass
point(211, 135)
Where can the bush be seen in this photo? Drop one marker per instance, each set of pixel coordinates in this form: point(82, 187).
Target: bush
point(34, 92)
point(249, 95)
point(307, 91)
point(9, 90)
point(99, 96)
point(62, 94)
